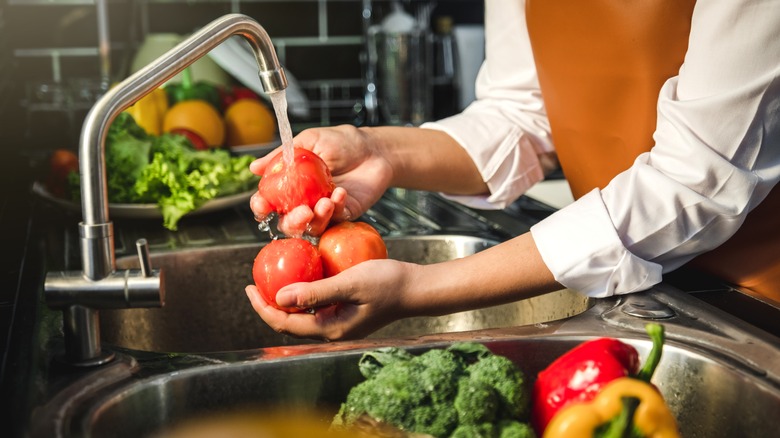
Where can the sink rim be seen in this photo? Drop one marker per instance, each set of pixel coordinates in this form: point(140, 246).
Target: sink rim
point(343, 351)
point(129, 259)
point(193, 279)
point(604, 318)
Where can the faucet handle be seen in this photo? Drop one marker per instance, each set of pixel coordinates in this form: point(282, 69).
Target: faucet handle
point(80, 297)
point(143, 257)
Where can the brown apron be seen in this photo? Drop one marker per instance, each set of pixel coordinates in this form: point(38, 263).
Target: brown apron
point(601, 65)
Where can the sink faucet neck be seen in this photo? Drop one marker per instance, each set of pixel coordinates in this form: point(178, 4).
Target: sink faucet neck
point(155, 74)
point(99, 286)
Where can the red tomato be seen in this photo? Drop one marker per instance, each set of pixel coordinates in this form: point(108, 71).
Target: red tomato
point(283, 262)
point(197, 141)
point(348, 243)
point(61, 163)
point(303, 183)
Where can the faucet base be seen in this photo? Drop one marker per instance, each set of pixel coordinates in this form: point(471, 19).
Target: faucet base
point(102, 359)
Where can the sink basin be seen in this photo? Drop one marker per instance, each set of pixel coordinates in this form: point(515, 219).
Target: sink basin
point(206, 309)
point(708, 397)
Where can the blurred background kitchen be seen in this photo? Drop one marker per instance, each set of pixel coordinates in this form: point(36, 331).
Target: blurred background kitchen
point(57, 57)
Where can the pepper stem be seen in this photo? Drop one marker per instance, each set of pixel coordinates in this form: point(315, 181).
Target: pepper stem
point(622, 426)
point(656, 332)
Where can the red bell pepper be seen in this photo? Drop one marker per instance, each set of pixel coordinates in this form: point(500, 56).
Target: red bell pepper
point(583, 371)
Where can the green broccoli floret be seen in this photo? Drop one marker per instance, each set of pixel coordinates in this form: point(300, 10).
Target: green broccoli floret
point(442, 392)
point(387, 397)
point(433, 420)
point(439, 372)
point(507, 379)
point(514, 429)
point(504, 429)
point(476, 402)
point(484, 430)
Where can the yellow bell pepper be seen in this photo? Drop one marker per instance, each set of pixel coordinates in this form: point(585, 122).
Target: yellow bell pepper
point(149, 112)
point(652, 416)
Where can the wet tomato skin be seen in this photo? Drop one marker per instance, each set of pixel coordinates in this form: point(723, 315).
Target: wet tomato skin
point(283, 262)
point(348, 243)
point(303, 182)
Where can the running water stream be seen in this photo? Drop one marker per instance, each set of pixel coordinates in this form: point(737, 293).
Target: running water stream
point(279, 101)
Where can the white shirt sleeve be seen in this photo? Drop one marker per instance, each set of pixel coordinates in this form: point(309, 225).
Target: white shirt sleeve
point(716, 156)
point(505, 130)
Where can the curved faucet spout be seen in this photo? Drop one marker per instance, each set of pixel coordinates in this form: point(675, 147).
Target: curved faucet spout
point(80, 294)
point(97, 244)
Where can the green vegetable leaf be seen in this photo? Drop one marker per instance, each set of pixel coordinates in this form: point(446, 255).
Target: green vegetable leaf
point(166, 170)
point(373, 361)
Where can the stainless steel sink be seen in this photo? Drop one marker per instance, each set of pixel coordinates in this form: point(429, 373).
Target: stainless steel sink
point(206, 309)
point(719, 378)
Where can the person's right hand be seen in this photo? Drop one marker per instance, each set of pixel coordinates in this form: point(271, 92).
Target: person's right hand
point(349, 305)
point(360, 171)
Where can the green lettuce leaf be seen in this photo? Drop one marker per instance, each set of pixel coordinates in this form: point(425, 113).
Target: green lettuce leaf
point(168, 171)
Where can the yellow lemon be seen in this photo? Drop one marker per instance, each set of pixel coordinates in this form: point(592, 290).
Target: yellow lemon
point(248, 121)
point(199, 117)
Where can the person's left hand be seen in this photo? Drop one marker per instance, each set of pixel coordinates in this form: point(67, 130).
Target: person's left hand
point(350, 305)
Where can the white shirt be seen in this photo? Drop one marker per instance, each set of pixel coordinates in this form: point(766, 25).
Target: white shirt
point(716, 153)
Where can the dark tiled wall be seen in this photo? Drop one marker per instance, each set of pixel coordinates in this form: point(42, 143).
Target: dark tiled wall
point(319, 41)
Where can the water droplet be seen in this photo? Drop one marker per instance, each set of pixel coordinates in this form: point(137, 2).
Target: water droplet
point(263, 226)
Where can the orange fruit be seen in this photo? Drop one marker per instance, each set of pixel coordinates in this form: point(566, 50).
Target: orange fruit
point(199, 117)
point(248, 121)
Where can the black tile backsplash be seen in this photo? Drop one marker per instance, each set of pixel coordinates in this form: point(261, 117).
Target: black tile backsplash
point(344, 18)
point(182, 18)
point(285, 19)
point(324, 62)
point(53, 25)
point(319, 41)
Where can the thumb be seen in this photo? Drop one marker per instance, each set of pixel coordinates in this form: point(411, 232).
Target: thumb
point(308, 295)
point(258, 166)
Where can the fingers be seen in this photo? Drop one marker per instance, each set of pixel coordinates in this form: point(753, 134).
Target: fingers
point(258, 302)
point(314, 222)
point(296, 222)
point(339, 199)
point(260, 207)
point(324, 324)
point(278, 319)
point(323, 212)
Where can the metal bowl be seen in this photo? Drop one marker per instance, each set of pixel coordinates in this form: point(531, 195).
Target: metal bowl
point(206, 309)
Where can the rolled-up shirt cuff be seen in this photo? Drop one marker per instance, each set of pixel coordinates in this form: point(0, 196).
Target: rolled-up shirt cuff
point(509, 169)
point(580, 246)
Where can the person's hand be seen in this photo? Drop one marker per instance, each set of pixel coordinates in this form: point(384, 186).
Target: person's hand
point(361, 174)
point(370, 295)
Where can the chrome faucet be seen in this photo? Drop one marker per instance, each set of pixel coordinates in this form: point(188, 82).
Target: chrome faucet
point(99, 285)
